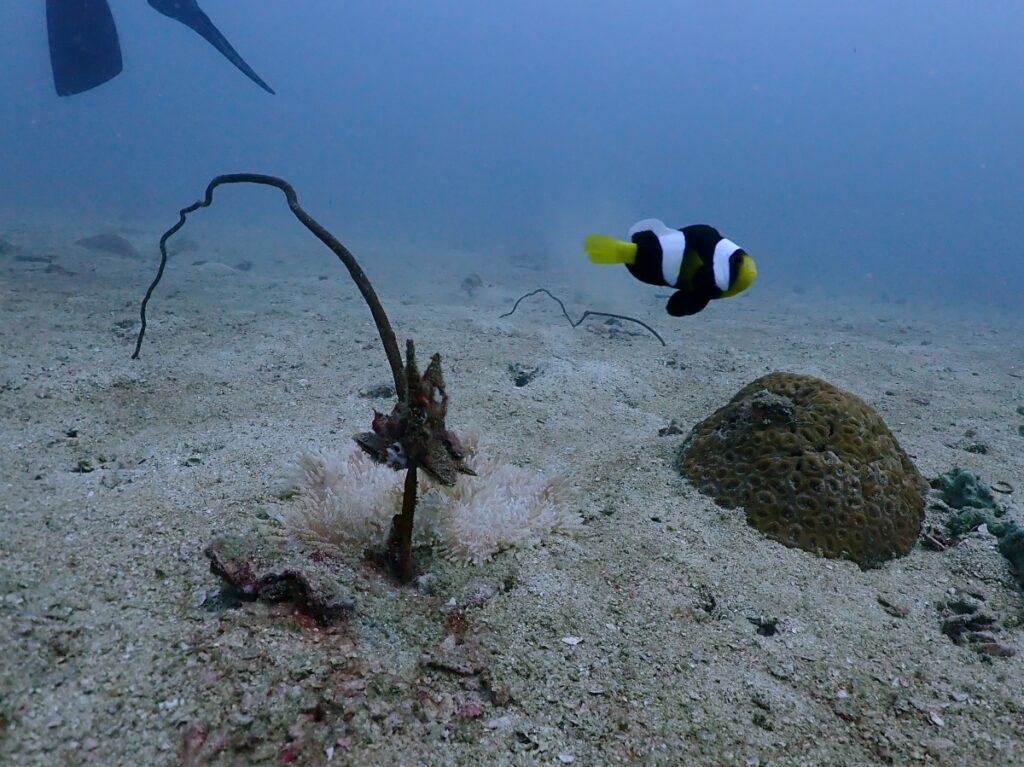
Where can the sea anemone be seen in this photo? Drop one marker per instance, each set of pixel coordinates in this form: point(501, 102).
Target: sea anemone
point(349, 500)
point(502, 507)
point(341, 500)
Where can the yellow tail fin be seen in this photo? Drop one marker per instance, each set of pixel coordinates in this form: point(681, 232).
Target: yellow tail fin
point(603, 249)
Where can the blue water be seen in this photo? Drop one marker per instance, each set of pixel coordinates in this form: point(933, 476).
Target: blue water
point(865, 146)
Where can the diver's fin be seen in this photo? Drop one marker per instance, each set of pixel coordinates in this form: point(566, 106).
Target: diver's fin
point(603, 249)
point(191, 15)
point(683, 304)
point(84, 49)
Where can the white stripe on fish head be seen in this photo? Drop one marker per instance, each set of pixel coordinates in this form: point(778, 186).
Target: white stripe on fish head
point(720, 262)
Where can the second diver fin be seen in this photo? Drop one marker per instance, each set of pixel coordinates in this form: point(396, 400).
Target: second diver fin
point(84, 48)
point(191, 15)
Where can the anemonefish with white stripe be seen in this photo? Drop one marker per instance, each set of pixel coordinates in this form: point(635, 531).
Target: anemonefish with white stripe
point(696, 260)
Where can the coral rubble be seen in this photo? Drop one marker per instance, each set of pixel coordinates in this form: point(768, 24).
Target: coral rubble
point(258, 571)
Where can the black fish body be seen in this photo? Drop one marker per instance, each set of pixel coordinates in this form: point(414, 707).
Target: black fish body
point(696, 260)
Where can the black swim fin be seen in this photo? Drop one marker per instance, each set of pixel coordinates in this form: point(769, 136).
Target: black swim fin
point(191, 15)
point(84, 49)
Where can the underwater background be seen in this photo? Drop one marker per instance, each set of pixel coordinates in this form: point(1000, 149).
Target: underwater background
point(869, 147)
point(785, 531)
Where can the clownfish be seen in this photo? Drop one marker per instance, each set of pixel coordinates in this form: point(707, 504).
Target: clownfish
point(696, 260)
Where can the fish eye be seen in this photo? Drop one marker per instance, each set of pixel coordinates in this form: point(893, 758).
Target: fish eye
point(736, 258)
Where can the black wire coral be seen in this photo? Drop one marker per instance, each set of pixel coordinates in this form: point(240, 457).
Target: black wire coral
point(414, 435)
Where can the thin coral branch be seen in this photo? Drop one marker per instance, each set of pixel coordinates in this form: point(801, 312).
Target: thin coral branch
point(387, 335)
point(588, 313)
point(399, 551)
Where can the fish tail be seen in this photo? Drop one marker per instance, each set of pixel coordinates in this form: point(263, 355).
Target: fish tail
point(603, 249)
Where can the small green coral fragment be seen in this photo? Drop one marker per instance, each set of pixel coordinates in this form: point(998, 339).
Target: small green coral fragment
point(971, 500)
point(961, 488)
point(1011, 546)
point(974, 505)
point(963, 521)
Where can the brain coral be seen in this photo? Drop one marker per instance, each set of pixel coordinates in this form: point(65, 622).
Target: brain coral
point(813, 466)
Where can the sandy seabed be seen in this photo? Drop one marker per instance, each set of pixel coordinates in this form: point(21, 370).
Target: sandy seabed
point(639, 640)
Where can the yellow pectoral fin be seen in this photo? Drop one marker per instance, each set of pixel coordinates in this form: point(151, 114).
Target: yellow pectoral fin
point(603, 249)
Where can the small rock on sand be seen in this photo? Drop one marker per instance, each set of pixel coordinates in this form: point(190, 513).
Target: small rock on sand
point(109, 243)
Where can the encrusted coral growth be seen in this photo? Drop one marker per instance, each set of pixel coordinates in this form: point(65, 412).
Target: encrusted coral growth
point(418, 422)
point(813, 466)
point(350, 500)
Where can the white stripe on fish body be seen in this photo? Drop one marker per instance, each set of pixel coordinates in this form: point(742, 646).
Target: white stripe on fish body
point(720, 262)
point(673, 246)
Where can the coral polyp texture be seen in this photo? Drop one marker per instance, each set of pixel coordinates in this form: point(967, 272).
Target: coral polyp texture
point(813, 466)
point(349, 500)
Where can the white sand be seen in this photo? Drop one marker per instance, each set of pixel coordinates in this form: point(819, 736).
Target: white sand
point(631, 643)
